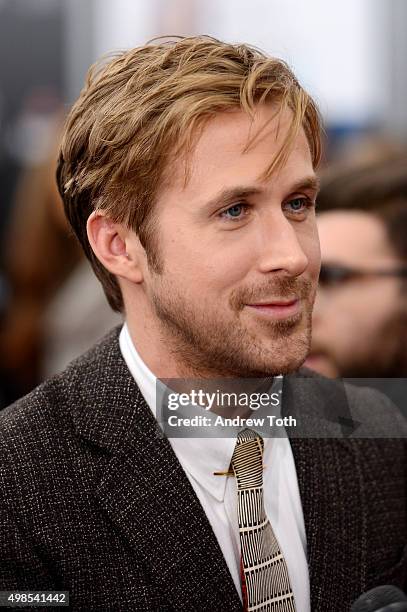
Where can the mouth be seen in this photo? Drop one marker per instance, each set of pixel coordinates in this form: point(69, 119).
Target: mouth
point(277, 309)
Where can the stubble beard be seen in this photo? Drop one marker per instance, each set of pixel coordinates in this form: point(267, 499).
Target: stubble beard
point(205, 345)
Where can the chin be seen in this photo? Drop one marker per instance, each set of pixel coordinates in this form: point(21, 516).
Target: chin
point(293, 356)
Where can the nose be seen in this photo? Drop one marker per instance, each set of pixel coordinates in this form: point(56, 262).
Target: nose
point(280, 249)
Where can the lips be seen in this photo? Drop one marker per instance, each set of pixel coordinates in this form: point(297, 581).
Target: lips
point(277, 309)
point(275, 303)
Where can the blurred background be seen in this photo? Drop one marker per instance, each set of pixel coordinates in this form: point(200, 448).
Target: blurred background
point(351, 56)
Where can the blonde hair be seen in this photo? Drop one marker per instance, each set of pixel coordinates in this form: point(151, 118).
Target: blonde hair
point(148, 104)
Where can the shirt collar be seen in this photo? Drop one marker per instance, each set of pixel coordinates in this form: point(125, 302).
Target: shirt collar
point(200, 457)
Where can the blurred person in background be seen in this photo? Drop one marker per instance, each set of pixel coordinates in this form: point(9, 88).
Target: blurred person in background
point(55, 308)
point(360, 314)
point(38, 253)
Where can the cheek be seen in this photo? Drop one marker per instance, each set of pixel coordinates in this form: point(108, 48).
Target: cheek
point(193, 261)
point(204, 272)
point(353, 317)
point(373, 305)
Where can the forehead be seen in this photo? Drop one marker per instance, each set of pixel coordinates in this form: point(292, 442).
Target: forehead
point(233, 145)
point(353, 237)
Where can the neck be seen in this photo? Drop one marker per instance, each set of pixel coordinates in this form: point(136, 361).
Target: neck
point(150, 343)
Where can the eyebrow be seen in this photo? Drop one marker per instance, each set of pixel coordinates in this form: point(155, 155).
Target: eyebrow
point(227, 196)
point(310, 183)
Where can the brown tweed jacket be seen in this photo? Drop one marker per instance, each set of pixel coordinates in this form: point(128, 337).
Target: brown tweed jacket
point(94, 501)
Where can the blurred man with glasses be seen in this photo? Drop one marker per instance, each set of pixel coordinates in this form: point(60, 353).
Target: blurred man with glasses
point(360, 315)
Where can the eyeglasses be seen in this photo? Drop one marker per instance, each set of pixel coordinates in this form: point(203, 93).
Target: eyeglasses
point(332, 275)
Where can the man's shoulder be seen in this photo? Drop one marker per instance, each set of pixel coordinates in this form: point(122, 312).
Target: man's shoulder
point(44, 412)
point(372, 412)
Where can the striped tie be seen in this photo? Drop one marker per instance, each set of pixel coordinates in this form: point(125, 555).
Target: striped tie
point(265, 582)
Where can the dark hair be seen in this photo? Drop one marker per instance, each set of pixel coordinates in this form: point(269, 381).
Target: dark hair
point(379, 187)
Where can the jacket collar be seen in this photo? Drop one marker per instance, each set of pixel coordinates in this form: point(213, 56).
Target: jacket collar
point(144, 489)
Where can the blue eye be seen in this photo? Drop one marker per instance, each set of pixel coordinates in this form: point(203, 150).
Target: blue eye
point(298, 204)
point(234, 212)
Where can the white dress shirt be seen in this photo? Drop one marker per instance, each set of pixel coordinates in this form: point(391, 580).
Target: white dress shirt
point(201, 457)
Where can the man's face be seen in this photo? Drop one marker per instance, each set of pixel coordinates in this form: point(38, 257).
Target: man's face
point(359, 325)
point(240, 254)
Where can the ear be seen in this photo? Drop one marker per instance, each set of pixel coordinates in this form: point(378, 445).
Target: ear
point(114, 246)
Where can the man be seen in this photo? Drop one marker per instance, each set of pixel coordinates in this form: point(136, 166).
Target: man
point(360, 315)
point(188, 174)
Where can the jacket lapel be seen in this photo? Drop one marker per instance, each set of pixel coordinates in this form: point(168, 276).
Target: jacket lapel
point(147, 495)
